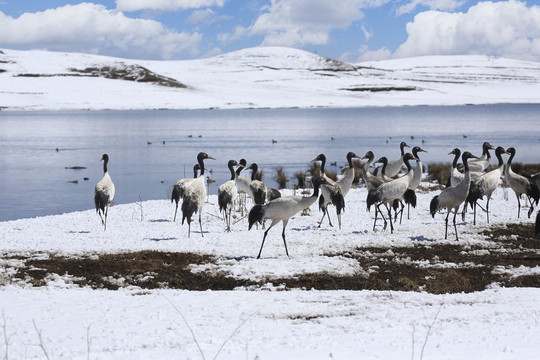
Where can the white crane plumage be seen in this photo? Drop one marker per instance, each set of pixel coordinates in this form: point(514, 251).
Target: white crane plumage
point(180, 187)
point(486, 184)
point(483, 161)
point(386, 193)
point(418, 171)
point(456, 176)
point(520, 184)
point(104, 192)
point(372, 182)
point(227, 194)
point(282, 209)
point(451, 198)
point(393, 167)
point(195, 195)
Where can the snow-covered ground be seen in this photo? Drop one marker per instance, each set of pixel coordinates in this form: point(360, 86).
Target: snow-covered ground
point(262, 77)
point(63, 321)
point(264, 323)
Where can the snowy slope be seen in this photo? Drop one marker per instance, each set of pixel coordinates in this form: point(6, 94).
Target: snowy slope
point(263, 77)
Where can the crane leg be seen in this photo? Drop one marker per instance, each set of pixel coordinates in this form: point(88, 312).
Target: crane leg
point(106, 212)
point(264, 238)
point(519, 204)
point(382, 215)
point(455, 227)
point(375, 221)
point(175, 211)
point(283, 236)
point(474, 211)
point(487, 209)
point(531, 208)
point(446, 225)
point(200, 222)
point(390, 218)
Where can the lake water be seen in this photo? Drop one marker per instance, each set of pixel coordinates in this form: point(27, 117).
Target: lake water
point(36, 181)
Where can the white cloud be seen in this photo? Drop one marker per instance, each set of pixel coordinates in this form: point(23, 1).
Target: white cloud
point(301, 22)
point(239, 32)
point(431, 4)
point(89, 27)
point(206, 16)
point(507, 28)
point(165, 5)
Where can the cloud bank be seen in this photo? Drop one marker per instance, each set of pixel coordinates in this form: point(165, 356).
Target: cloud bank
point(92, 28)
point(507, 28)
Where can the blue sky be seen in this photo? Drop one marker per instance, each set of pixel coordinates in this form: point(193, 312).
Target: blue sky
point(351, 30)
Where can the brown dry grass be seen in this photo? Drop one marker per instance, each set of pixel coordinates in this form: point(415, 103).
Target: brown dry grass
point(424, 266)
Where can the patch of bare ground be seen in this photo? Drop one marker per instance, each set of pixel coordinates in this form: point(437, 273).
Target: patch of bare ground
point(430, 267)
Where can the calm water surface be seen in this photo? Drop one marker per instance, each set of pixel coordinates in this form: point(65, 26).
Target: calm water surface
point(36, 181)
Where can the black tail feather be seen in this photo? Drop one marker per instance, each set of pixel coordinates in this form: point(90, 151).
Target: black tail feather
point(100, 199)
point(410, 197)
point(274, 194)
point(188, 209)
point(475, 194)
point(223, 200)
point(259, 196)
point(338, 201)
point(176, 195)
point(534, 192)
point(434, 206)
point(256, 214)
point(372, 198)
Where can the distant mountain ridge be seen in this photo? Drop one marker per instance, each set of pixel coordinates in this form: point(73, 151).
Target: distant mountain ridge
point(257, 77)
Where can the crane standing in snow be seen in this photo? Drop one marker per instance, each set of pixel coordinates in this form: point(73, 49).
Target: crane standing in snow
point(195, 195)
point(520, 184)
point(393, 190)
point(486, 184)
point(104, 192)
point(180, 187)
point(227, 194)
point(282, 209)
point(451, 198)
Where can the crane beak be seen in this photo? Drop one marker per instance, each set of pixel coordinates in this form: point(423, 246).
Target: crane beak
point(209, 157)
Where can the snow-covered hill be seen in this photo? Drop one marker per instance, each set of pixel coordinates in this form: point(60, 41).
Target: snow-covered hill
point(258, 77)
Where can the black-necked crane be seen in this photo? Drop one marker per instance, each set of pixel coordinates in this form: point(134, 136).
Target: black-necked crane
point(180, 187)
point(330, 194)
point(486, 184)
point(260, 192)
point(104, 192)
point(483, 161)
point(346, 181)
point(451, 198)
point(227, 194)
point(372, 182)
point(418, 171)
point(195, 195)
point(393, 167)
point(282, 209)
point(456, 176)
point(243, 184)
point(520, 184)
point(344, 184)
point(386, 193)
